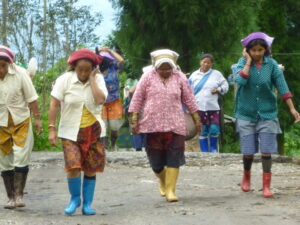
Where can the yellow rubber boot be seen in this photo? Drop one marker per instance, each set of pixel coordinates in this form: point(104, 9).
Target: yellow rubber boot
point(171, 180)
point(162, 179)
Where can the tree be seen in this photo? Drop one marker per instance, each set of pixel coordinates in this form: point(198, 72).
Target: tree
point(281, 19)
point(4, 22)
point(189, 27)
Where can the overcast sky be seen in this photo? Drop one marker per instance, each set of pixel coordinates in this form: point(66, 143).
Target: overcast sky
point(108, 13)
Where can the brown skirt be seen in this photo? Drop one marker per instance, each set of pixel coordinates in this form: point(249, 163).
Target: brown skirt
point(165, 149)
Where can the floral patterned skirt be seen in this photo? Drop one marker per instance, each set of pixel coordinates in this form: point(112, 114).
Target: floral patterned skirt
point(87, 153)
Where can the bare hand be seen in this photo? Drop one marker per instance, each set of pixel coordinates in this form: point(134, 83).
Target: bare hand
point(94, 72)
point(296, 115)
point(104, 49)
point(198, 128)
point(214, 91)
point(38, 126)
point(52, 137)
point(246, 54)
point(134, 128)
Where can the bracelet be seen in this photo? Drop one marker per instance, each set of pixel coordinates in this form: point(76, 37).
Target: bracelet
point(51, 125)
point(36, 114)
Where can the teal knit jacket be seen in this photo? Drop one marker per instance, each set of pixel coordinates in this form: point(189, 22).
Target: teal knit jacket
point(256, 98)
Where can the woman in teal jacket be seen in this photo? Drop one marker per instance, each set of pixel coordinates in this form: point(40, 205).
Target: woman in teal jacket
point(257, 76)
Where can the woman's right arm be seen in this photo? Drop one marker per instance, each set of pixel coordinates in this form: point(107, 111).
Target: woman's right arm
point(242, 71)
point(136, 104)
point(54, 106)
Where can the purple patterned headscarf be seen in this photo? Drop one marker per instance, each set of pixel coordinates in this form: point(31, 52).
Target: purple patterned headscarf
point(257, 35)
point(107, 55)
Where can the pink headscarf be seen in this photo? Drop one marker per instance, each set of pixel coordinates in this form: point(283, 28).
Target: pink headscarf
point(7, 53)
point(85, 53)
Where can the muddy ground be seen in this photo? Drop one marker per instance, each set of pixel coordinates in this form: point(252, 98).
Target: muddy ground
point(127, 193)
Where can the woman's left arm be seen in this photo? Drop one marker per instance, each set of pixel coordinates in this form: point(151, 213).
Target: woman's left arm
point(293, 111)
point(37, 118)
point(222, 86)
point(188, 99)
point(282, 87)
point(98, 94)
point(31, 97)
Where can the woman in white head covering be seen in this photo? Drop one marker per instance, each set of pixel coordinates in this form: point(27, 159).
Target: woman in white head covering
point(161, 92)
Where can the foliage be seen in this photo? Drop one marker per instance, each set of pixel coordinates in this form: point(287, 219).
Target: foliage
point(43, 83)
point(189, 27)
point(281, 20)
point(292, 141)
point(41, 142)
point(231, 144)
point(48, 29)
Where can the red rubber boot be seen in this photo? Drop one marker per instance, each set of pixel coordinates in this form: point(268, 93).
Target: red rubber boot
point(245, 185)
point(266, 185)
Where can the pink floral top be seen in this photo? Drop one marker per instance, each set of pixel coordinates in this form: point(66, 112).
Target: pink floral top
point(162, 102)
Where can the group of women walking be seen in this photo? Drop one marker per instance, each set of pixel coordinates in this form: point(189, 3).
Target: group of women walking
point(156, 110)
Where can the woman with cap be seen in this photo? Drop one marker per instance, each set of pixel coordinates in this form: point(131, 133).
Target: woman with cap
point(112, 108)
point(207, 83)
point(257, 75)
point(17, 98)
point(161, 92)
point(82, 90)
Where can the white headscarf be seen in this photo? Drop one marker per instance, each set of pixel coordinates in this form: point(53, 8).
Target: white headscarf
point(161, 56)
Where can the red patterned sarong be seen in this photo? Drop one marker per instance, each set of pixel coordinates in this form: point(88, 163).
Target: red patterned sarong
point(87, 152)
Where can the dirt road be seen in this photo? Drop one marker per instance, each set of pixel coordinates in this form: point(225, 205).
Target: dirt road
point(127, 194)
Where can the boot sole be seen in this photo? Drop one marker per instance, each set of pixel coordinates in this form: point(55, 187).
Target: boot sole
point(172, 200)
point(9, 207)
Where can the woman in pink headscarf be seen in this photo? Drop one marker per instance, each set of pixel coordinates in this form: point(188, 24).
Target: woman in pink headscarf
point(17, 98)
point(256, 105)
point(82, 90)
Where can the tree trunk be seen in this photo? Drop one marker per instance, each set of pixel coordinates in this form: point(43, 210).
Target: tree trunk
point(4, 22)
point(44, 53)
point(221, 136)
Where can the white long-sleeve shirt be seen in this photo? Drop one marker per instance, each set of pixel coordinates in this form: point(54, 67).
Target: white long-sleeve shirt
point(16, 91)
point(207, 101)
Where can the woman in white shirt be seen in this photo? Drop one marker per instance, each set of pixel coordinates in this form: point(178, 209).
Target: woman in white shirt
point(207, 83)
point(82, 90)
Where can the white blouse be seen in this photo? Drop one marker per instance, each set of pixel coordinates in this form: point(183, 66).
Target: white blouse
point(74, 95)
point(207, 101)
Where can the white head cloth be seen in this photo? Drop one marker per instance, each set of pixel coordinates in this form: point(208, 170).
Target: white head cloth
point(161, 56)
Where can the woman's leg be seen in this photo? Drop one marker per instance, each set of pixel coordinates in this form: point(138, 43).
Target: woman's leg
point(21, 161)
point(72, 166)
point(175, 159)
point(268, 146)
point(74, 184)
point(214, 131)
point(8, 180)
point(249, 146)
point(246, 182)
point(7, 173)
point(88, 189)
point(157, 159)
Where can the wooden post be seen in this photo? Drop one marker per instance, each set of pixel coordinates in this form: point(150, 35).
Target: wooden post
point(221, 136)
point(280, 141)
